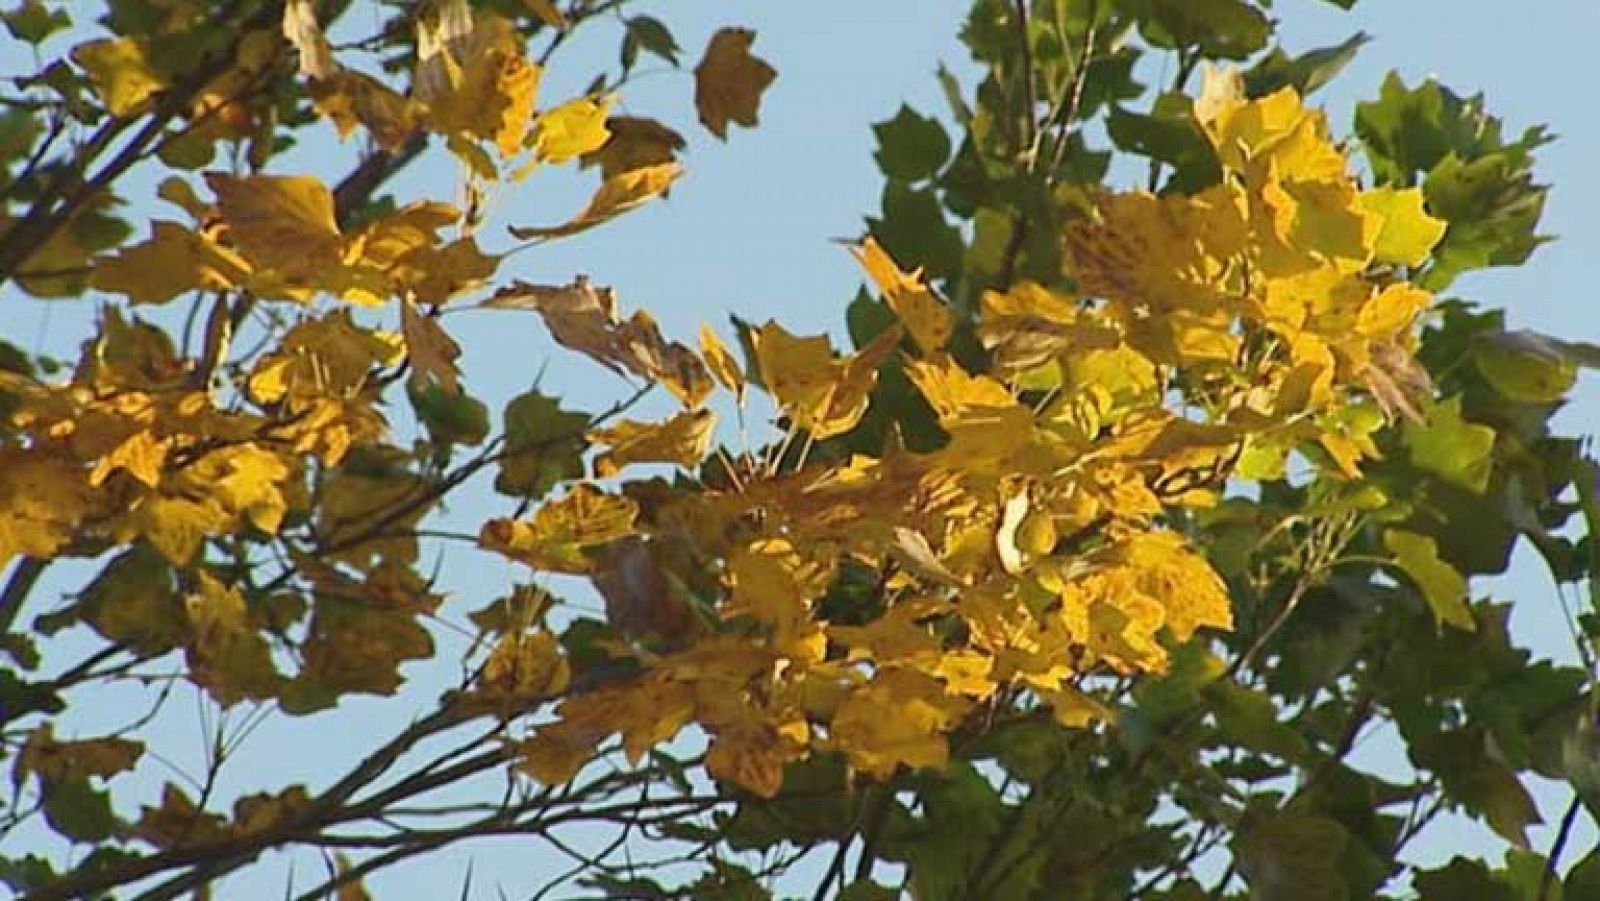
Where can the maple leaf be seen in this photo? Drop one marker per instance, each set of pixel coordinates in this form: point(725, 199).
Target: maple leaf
point(174, 261)
point(121, 72)
point(617, 195)
point(682, 440)
point(560, 532)
point(573, 129)
point(635, 143)
point(729, 81)
point(281, 222)
point(926, 317)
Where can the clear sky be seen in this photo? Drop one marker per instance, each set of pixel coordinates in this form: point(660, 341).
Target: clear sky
point(748, 229)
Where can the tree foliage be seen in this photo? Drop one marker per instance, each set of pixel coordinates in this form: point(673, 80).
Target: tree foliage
point(1153, 483)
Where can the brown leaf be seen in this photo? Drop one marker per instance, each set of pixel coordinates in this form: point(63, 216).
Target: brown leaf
point(729, 82)
point(432, 351)
point(635, 143)
point(1398, 382)
point(300, 28)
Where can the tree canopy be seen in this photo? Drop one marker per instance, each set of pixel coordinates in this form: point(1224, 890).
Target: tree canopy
point(1152, 481)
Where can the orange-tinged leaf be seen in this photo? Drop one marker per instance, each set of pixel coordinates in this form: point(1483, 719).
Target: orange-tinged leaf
point(281, 222)
point(684, 440)
point(121, 72)
point(925, 317)
point(572, 129)
point(729, 82)
point(431, 350)
point(617, 195)
point(174, 261)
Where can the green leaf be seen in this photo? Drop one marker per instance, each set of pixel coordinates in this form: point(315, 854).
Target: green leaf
point(78, 810)
point(1248, 718)
point(1458, 451)
point(915, 232)
point(1525, 366)
point(1583, 880)
point(33, 21)
point(1229, 29)
point(1462, 878)
point(911, 147)
point(1168, 134)
point(451, 418)
point(544, 446)
point(1493, 207)
point(868, 891)
point(1442, 587)
point(1291, 857)
point(1408, 234)
point(1306, 72)
point(652, 36)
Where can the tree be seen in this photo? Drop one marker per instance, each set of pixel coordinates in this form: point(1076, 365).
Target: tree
point(1130, 512)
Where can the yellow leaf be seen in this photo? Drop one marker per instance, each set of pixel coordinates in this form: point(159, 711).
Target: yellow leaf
point(721, 362)
point(175, 526)
point(42, 497)
point(617, 195)
point(924, 315)
point(436, 274)
point(572, 129)
point(517, 88)
point(728, 82)
point(431, 350)
point(952, 391)
point(525, 667)
point(281, 222)
point(473, 76)
point(683, 440)
point(353, 98)
point(121, 72)
point(558, 535)
point(1012, 514)
point(143, 455)
point(1166, 569)
point(1408, 233)
point(174, 261)
point(897, 719)
point(249, 480)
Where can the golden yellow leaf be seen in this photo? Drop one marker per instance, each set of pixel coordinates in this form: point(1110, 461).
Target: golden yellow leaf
point(143, 455)
point(431, 350)
point(249, 480)
point(684, 440)
point(729, 81)
point(925, 317)
point(897, 719)
point(720, 361)
point(572, 129)
point(353, 98)
point(174, 261)
point(617, 195)
point(635, 144)
point(175, 526)
point(558, 535)
point(952, 391)
point(1166, 569)
point(281, 222)
point(121, 73)
point(42, 497)
point(474, 77)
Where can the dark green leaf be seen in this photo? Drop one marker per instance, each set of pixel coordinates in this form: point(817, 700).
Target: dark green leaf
point(544, 446)
point(1306, 72)
point(911, 147)
point(653, 37)
point(78, 810)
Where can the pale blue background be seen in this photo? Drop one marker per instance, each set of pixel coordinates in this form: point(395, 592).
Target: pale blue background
point(748, 229)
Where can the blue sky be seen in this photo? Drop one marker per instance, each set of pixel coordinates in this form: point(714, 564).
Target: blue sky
point(748, 231)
